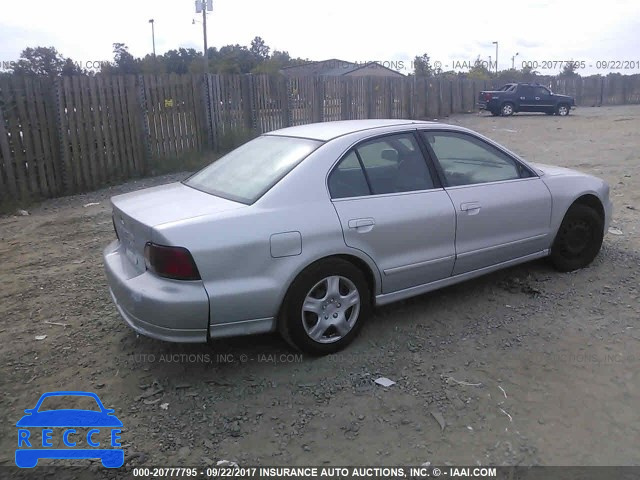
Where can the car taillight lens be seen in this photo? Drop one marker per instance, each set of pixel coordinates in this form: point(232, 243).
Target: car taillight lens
point(171, 262)
point(487, 96)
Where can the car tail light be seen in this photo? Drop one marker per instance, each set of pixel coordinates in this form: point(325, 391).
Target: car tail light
point(171, 262)
point(487, 97)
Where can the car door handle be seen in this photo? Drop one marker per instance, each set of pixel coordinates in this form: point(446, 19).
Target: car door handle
point(471, 207)
point(361, 224)
point(537, 98)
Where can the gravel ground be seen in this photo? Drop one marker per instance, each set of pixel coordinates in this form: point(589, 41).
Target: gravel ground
point(522, 367)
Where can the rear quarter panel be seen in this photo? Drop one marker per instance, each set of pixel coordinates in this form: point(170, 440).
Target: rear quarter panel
point(233, 249)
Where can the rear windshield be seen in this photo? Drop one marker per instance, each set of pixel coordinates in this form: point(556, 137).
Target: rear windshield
point(247, 172)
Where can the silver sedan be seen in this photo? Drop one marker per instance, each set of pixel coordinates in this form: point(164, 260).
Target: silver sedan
point(304, 230)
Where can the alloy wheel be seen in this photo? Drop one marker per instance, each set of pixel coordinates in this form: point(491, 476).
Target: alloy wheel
point(330, 309)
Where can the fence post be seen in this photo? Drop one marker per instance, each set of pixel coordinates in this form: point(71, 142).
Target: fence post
point(345, 104)
point(390, 93)
point(318, 100)
point(409, 95)
point(451, 97)
point(146, 134)
point(246, 86)
point(368, 96)
point(207, 101)
point(440, 108)
point(63, 142)
point(214, 107)
point(285, 101)
point(5, 150)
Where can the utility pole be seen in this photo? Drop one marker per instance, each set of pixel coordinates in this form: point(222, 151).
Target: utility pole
point(513, 61)
point(496, 44)
point(153, 37)
point(204, 36)
point(204, 6)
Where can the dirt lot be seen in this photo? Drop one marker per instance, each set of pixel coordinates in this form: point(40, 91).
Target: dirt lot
point(525, 366)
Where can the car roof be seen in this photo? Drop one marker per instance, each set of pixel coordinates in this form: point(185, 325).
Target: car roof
point(329, 130)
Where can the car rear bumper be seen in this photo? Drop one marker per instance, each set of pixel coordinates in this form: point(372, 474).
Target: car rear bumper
point(169, 310)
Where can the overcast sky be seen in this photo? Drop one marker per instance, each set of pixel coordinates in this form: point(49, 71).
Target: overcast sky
point(352, 30)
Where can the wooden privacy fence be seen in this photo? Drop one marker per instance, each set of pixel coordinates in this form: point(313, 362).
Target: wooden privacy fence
point(77, 133)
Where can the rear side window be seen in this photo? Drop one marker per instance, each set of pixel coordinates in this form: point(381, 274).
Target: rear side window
point(347, 179)
point(392, 164)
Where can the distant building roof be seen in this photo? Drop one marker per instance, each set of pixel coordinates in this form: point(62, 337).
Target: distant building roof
point(336, 68)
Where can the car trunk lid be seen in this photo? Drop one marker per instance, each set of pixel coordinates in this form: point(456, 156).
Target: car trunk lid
point(135, 214)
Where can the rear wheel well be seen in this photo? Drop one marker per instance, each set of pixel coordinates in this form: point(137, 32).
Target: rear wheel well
point(366, 271)
point(355, 261)
point(593, 202)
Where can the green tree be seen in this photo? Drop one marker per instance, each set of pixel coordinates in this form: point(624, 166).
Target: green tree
point(124, 62)
point(479, 71)
point(276, 62)
point(569, 70)
point(72, 68)
point(508, 76)
point(153, 64)
point(528, 74)
point(235, 59)
point(39, 61)
point(422, 66)
point(179, 61)
point(259, 48)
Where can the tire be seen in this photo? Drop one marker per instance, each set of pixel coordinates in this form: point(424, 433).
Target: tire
point(562, 110)
point(507, 109)
point(325, 286)
point(578, 240)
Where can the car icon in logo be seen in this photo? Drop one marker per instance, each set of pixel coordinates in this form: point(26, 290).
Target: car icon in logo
point(39, 429)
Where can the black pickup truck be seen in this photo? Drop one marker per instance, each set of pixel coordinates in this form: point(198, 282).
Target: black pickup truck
point(524, 97)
